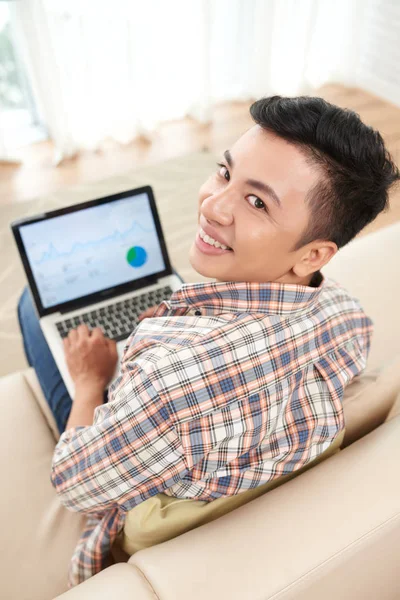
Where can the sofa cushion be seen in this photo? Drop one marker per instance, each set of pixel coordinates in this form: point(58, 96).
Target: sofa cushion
point(368, 400)
point(38, 535)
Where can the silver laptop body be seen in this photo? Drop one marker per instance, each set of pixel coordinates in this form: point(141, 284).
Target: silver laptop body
point(101, 262)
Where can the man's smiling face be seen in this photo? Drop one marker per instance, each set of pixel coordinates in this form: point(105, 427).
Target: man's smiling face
point(261, 224)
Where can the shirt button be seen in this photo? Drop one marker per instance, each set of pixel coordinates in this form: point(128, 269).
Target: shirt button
point(197, 312)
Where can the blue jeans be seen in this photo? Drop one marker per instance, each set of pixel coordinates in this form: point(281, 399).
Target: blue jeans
point(41, 359)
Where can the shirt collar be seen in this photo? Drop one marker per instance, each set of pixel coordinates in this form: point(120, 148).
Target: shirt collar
point(240, 296)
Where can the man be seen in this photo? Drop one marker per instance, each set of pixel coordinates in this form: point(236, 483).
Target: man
point(239, 381)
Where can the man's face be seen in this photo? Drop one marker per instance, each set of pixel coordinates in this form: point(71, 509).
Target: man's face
point(260, 227)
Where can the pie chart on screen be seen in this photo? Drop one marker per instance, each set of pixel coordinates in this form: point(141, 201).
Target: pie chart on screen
point(136, 256)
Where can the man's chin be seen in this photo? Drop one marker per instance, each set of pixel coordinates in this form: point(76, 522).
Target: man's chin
point(202, 264)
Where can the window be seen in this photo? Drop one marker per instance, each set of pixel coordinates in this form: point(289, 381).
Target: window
point(19, 122)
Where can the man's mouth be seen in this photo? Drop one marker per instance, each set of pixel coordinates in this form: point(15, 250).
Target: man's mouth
point(211, 242)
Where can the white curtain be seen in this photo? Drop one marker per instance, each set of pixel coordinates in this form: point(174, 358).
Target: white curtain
point(118, 69)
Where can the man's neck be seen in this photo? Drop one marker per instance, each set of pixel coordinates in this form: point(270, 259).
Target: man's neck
point(311, 280)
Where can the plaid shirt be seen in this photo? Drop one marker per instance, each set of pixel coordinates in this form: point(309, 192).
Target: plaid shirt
point(228, 386)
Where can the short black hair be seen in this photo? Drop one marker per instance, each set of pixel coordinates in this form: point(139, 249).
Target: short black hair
point(358, 169)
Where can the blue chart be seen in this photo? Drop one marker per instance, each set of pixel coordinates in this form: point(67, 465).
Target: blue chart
point(136, 256)
point(51, 253)
point(94, 249)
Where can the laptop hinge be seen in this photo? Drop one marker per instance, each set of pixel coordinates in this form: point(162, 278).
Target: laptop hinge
point(106, 295)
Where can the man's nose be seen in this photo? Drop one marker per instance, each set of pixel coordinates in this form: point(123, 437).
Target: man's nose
point(219, 207)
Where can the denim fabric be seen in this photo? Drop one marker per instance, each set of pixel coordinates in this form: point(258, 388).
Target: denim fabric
point(41, 359)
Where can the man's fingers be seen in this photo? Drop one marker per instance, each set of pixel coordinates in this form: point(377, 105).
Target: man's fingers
point(73, 336)
point(113, 348)
point(97, 332)
point(112, 344)
point(82, 331)
point(148, 312)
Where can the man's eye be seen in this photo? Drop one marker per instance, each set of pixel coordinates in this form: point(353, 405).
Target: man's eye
point(223, 171)
point(258, 203)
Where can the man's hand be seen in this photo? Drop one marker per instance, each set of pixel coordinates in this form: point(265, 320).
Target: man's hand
point(91, 357)
point(91, 360)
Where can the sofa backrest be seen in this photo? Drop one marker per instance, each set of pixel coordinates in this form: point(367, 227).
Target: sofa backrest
point(368, 268)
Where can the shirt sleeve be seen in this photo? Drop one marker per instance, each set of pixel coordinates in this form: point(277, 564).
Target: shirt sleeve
point(130, 453)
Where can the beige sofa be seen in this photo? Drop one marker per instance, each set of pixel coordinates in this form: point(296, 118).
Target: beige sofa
point(333, 532)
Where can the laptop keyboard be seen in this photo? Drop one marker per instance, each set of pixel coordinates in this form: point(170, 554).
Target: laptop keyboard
point(116, 320)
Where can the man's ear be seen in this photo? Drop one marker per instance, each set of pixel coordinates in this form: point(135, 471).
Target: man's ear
point(314, 256)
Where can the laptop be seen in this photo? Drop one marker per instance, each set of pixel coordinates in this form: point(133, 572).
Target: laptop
point(101, 262)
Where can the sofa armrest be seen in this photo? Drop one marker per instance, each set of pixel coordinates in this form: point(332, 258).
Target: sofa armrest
point(395, 410)
point(34, 385)
point(332, 532)
point(122, 581)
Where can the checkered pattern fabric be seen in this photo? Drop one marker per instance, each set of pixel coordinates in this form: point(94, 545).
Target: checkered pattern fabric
point(229, 385)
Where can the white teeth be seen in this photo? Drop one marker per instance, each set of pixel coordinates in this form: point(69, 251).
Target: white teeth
point(209, 240)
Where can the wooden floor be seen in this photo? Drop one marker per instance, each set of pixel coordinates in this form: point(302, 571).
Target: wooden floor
point(37, 176)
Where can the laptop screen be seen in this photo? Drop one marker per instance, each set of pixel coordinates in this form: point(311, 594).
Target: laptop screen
point(93, 249)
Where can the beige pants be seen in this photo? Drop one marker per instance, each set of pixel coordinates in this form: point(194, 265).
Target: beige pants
point(163, 517)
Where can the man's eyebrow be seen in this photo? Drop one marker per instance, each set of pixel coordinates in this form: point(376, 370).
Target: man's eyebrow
point(259, 185)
